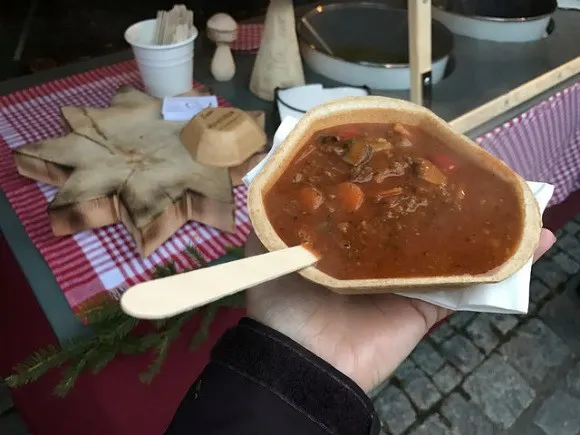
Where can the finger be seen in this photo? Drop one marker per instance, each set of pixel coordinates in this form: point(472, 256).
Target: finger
point(547, 239)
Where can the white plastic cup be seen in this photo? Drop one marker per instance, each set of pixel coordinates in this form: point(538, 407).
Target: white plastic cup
point(166, 70)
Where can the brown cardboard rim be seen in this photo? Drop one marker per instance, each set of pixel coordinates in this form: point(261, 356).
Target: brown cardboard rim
point(382, 109)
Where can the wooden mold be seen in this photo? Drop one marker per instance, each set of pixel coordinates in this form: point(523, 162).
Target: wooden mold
point(223, 136)
point(125, 164)
point(374, 109)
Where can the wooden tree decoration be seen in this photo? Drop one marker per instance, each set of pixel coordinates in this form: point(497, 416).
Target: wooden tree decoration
point(125, 164)
point(278, 63)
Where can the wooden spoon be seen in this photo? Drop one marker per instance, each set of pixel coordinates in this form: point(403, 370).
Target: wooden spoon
point(167, 297)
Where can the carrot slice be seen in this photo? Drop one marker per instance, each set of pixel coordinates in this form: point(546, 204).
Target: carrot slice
point(347, 134)
point(350, 196)
point(310, 198)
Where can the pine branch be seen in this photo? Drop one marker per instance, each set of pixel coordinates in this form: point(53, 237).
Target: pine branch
point(116, 329)
point(106, 355)
point(46, 359)
point(196, 256)
point(168, 269)
point(237, 251)
point(95, 313)
point(162, 348)
point(114, 335)
point(72, 373)
point(201, 334)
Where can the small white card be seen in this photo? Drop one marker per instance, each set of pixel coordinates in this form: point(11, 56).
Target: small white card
point(185, 108)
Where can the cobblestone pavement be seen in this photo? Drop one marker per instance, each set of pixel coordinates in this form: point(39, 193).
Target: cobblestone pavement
point(480, 374)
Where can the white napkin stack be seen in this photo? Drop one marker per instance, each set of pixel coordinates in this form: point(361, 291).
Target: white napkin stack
point(509, 296)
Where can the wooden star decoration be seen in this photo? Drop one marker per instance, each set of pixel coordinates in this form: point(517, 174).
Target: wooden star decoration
point(125, 164)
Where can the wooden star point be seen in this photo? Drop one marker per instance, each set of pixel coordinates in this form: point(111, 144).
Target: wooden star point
point(125, 164)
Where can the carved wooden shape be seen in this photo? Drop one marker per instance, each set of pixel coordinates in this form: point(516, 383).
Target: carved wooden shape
point(223, 136)
point(125, 164)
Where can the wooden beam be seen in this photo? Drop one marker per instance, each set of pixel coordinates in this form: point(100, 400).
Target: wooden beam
point(515, 97)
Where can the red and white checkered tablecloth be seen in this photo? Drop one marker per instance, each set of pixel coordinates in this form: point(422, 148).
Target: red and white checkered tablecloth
point(249, 37)
point(91, 262)
point(543, 144)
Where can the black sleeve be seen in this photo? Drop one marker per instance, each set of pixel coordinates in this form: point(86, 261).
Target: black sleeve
point(259, 382)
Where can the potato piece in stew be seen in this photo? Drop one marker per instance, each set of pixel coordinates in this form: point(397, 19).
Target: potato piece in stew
point(391, 201)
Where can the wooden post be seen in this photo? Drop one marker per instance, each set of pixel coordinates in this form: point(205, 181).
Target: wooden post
point(510, 100)
point(419, 14)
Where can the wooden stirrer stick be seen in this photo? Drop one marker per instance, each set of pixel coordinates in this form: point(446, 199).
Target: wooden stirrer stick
point(173, 295)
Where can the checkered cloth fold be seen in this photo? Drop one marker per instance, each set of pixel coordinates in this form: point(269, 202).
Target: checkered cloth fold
point(249, 37)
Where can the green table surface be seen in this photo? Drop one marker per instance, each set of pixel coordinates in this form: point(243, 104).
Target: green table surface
point(483, 71)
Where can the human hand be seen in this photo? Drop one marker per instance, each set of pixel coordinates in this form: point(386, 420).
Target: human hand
point(365, 337)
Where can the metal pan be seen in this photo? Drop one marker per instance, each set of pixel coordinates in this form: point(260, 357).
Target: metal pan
point(496, 20)
point(369, 43)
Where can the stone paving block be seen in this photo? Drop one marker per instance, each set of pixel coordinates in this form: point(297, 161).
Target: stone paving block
point(559, 415)
point(376, 391)
point(465, 417)
point(407, 367)
point(535, 350)
point(538, 291)
point(573, 226)
point(567, 263)
point(555, 249)
point(549, 272)
point(462, 353)
point(501, 392)
point(432, 426)
point(427, 358)
point(12, 424)
point(573, 381)
point(504, 323)
point(562, 315)
point(421, 390)
point(529, 428)
point(442, 332)
point(560, 232)
point(570, 245)
point(481, 333)
point(395, 410)
point(5, 399)
point(447, 379)
point(460, 319)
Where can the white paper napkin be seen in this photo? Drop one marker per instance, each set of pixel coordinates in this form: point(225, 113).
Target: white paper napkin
point(509, 296)
point(304, 98)
point(185, 108)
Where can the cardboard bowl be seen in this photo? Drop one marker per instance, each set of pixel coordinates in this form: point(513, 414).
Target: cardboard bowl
point(374, 109)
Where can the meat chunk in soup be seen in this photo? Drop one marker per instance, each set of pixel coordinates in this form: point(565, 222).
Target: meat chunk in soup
point(428, 171)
